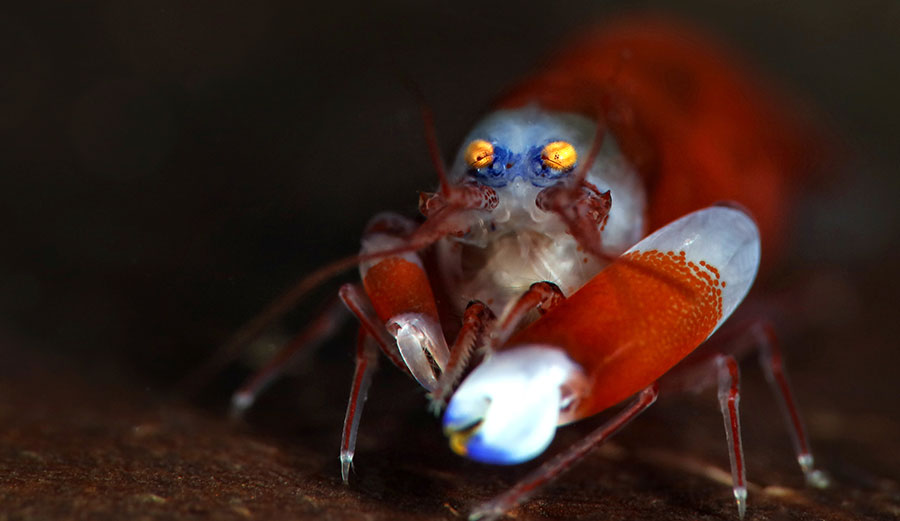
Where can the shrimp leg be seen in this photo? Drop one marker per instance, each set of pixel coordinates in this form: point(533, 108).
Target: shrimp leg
point(479, 325)
point(366, 364)
point(478, 319)
point(403, 302)
point(542, 296)
point(695, 375)
point(729, 377)
point(773, 366)
point(523, 490)
point(322, 328)
point(759, 335)
point(356, 301)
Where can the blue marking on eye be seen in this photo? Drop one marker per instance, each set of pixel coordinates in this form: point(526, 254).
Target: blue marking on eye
point(541, 174)
point(507, 166)
point(496, 174)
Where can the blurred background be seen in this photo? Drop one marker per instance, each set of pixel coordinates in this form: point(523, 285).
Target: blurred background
point(167, 168)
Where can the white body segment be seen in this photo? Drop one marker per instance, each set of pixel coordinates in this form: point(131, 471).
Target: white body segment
point(517, 243)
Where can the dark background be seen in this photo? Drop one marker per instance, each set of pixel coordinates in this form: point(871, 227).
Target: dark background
point(167, 168)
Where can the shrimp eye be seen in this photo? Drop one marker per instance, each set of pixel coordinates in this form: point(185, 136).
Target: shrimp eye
point(479, 154)
point(559, 155)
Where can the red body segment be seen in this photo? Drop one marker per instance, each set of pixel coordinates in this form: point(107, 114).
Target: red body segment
point(630, 324)
point(697, 126)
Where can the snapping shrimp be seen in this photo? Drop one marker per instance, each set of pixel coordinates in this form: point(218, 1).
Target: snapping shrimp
point(535, 258)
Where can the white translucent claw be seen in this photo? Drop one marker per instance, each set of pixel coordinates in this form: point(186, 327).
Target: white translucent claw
point(422, 346)
point(506, 411)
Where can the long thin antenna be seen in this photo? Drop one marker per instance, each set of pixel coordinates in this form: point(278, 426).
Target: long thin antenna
point(602, 115)
point(435, 227)
point(581, 172)
point(434, 150)
point(277, 309)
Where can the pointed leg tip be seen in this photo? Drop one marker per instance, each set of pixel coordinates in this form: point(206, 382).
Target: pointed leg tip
point(491, 510)
point(346, 463)
point(818, 479)
point(240, 402)
point(740, 498)
point(483, 514)
point(814, 477)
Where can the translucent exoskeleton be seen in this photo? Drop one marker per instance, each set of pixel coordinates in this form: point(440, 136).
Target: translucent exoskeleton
point(565, 305)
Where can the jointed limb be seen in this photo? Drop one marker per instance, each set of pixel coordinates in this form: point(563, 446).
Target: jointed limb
point(523, 490)
point(542, 296)
point(717, 362)
point(319, 330)
point(356, 301)
point(366, 364)
point(480, 329)
point(729, 399)
point(478, 319)
point(773, 365)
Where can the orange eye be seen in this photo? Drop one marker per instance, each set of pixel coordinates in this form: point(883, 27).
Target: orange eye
point(559, 155)
point(479, 154)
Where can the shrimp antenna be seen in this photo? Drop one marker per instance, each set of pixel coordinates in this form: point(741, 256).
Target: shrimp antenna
point(602, 114)
point(580, 174)
point(280, 307)
point(433, 229)
point(434, 150)
point(592, 242)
